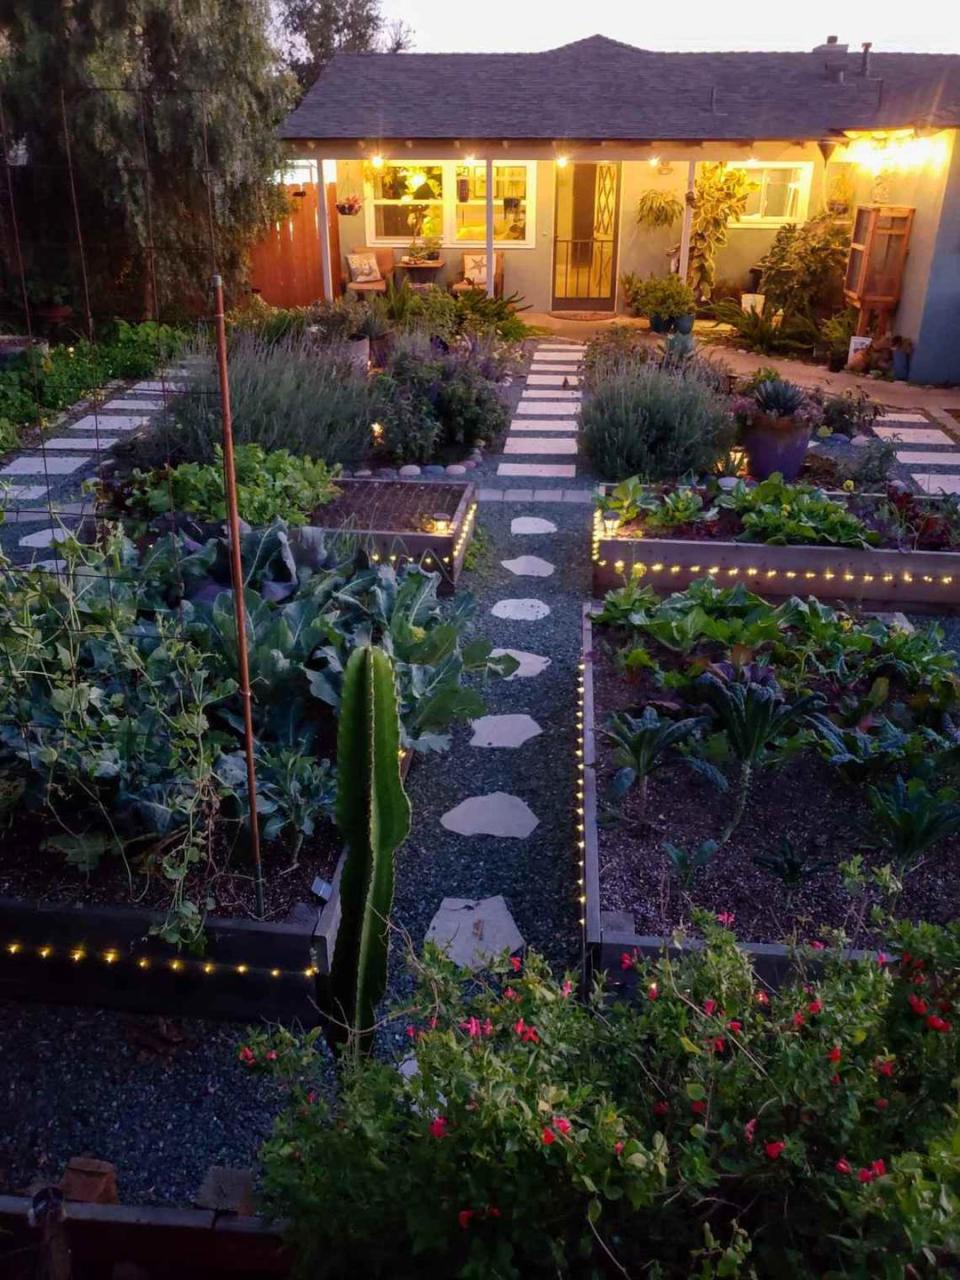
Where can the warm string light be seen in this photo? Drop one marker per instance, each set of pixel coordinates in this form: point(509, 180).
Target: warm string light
point(640, 570)
point(580, 757)
point(176, 964)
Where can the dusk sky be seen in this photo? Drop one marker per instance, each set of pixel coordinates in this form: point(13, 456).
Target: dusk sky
point(928, 26)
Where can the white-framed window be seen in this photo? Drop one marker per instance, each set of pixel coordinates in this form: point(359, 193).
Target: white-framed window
point(447, 199)
point(781, 193)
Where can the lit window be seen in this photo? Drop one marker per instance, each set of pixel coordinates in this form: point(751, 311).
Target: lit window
point(448, 200)
point(780, 194)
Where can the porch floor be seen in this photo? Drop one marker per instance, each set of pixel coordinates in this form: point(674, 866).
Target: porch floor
point(899, 395)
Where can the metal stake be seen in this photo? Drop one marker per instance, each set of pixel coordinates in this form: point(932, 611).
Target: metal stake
point(236, 575)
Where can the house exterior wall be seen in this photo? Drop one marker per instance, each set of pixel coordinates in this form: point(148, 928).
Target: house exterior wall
point(937, 355)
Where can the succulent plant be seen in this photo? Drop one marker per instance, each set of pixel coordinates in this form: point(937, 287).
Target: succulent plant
point(777, 398)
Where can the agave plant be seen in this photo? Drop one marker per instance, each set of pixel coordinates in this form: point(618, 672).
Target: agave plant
point(778, 399)
point(753, 716)
point(791, 866)
point(642, 744)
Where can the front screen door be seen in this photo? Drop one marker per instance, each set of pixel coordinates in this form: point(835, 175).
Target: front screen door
point(585, 237)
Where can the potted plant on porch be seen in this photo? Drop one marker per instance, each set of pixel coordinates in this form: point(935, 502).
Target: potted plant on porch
point(666, 301)
point(774, 420)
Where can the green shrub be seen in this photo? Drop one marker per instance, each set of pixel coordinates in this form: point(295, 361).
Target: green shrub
point(709, 1128)
point(665, 296)
point(269, 485)
point(620, 347)
point(802, 272)
point(286, 394)
point(655, 424)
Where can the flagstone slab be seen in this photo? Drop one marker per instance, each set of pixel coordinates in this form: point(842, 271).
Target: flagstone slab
point(496, 814)
point(142, 402)
point(113, 422)
point(503, 731)
point(944, 482)
point(529, 567)
point(552, 380)
point(474, 931)
point(75, 442)
point(913, 435)
point(927, 458)
point(173, 384)
point(23, 492)
point(521, 610)
point(33, 464)
point(904, 415)
point(528, 664)
point(556, 445)
point(546, 408)
point(532, 524)
point(45, 538)
point(538, 471)
point(543, 424)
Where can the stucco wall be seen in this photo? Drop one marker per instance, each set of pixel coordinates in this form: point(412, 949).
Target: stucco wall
point(937, 355)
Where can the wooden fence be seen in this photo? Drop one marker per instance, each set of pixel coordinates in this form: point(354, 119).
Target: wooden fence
point(286, 268)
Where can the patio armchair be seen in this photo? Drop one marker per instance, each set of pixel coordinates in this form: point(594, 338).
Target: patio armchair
point(471, 261)
point(385, 264)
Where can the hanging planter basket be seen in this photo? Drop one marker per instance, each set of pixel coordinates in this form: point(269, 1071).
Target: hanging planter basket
point(349, 208)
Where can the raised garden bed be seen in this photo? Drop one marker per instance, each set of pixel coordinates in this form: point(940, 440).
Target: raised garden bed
point(633, 898)
point(916, 581)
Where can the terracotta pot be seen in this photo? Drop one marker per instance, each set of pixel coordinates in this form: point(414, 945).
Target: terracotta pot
point(775, 444)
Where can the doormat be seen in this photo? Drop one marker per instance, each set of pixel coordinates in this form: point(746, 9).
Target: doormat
point(583, 315)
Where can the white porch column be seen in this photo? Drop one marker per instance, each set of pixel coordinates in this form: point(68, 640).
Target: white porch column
point(687, 220)
point(324, 230)
point(490, 264)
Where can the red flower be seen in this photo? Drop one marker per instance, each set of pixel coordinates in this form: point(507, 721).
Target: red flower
point(271, 1055)
point(311, 1095)
point(879, 1168)
point(918, 1005)
point(884, 1066)
point(617, 1148)
point(814, 1007)
point(527, 1034)
point(798, 1019)
point(834, 1079)
point(562, 1125)
point(247, 1056)
point(816, 945)
point(843, 1166)
point(412, 1032)
point(718, 1044)
point(834, 1054)
point(762, 998)
point(492, 1211)
point(471, 1027)
point(487, 1027)
point(517, 963)
point(773, 1150)
point(567, 987)
point(661, 1108)
point(709, 1007)
point(548, 1137)
point(652, 992)
point(865, 1175)
point(937, 1024)
point(750, 1129)
point(698, 1108)
point(882, 958)
point(463, 1217)
point(626, 960)
point(882, 1104)
point(735, 1026)
point(438, 1127)
point(519, 1026)
point(510, 994)
point(725, 918)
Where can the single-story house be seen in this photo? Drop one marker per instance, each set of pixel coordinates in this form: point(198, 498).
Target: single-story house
point(544, 156)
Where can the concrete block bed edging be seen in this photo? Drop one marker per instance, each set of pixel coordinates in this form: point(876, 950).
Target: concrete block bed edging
point(914, 581)
point(604, 946)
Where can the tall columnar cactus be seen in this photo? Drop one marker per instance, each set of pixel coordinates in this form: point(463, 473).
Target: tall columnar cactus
point(373, 814)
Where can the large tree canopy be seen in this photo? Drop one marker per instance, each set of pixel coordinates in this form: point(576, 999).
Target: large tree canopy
point(172, 106)
point(312, 31)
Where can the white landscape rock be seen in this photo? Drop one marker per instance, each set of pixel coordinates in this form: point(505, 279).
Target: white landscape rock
point(45, 538)
point(529, 567)
point(503, 731)
point(532, 524)
point(474, 931)
point(495, 814)
point(521, 610)
point(528, 664)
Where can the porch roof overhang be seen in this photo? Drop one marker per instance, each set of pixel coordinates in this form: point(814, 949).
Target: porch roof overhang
point(581, 149)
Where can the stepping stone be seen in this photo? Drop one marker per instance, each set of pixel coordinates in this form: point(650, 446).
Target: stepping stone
point(529, 567)
point(904, 415)
point(116, 422)
point(23, 492)
point(542, 424)
point(560, 346)
point(144, 402)
point(528, 664)
point(553, 357)
point(550, 410)
point(474, 931)
point(496, 814)
point(75, 442)
point(174, 384)
point(532, 524)
point(538, 471)
point(545, 393)
point(552, 380)
point(34, 465)
point(523, 610)
point(45, 538)
point(913, 435)
point(926, 458)
point(503, 731)
point(948, 482)
point(536, 444)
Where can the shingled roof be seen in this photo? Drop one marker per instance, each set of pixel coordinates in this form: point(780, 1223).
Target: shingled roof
point(599, 88)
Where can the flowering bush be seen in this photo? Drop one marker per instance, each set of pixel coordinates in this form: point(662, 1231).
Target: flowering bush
point(709, 1128)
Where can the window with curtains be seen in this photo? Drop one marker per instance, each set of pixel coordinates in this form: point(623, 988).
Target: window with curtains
point(780, 194)
point(448, 200)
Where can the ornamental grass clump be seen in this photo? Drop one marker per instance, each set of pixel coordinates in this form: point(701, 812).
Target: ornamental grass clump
point(707, 1126)
point(654, 424)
